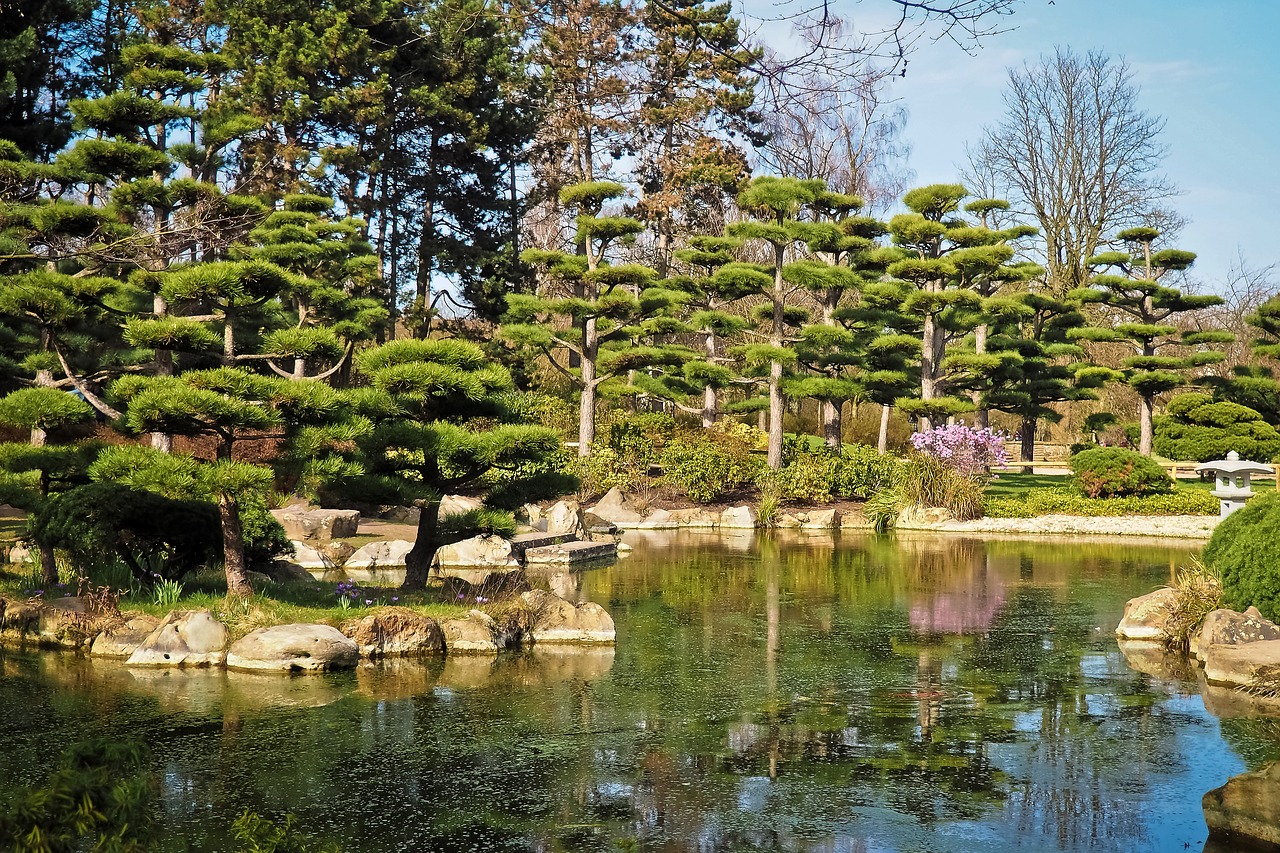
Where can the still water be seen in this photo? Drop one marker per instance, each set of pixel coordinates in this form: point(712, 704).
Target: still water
point(861, 694)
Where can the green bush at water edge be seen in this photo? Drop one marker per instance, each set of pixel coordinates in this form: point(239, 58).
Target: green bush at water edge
point(1245, 553)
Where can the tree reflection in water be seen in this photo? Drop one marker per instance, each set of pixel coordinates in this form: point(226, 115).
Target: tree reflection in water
point(804, 694)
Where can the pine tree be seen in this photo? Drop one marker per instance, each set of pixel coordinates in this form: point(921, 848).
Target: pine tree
point(776, 204)
point(431, 423)
point(615, 312)
point(954, 266)
point(1148, 311)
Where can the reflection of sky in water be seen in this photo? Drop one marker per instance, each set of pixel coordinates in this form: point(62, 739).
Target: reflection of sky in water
point(941, 695)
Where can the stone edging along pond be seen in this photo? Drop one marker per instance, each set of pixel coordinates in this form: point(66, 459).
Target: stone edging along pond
point(195, 638)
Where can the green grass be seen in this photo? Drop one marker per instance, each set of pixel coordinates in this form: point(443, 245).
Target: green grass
point(1012, 485)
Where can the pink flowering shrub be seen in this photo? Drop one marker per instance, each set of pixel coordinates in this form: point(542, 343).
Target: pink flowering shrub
point(968, 451)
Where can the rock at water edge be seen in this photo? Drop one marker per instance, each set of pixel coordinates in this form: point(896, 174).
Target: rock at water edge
point(616, 508)
point(1246, 809)
point(293, 648)
point(1250, 665)
point(739, 518)
point(380, 555)
point(1146, 617)
point(558, 621)
point(123, 640)
point(395, 632)
point(473, 634)
point(1228, 628)
point(183, 638)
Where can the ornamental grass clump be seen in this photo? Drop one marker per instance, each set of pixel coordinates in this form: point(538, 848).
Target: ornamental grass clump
point(1198, 591)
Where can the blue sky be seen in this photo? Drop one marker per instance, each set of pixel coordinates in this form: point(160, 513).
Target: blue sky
point(1209, 67)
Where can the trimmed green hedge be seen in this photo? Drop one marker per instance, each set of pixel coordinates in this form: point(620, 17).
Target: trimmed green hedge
point(1245, 552)
point(1037, 502)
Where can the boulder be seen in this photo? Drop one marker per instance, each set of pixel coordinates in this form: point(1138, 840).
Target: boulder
point(123, 640)
point(659, 519)
point(1229, 628)
point(67, 623)
point(694, 517)
point(306, 557)
point(739, 518)
point(293, 648)
point(474, 634)
point(337, 553)
point(458, 505)
point(822, 519)
point(284, 571)
point(395, 632)
point(380, 555)
point(916, 516)
point(563, 519)
point(322, 524)
point(20, 554)
point(1146, 616)
point(556, 621)
point(400, 514)
point(787, 521)
point(616, 508)
point(1249, 665)
point(1245, 812)
point(19, 619)
point(478, 551)
point(183, 638)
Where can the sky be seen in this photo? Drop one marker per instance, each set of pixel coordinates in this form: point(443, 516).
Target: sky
point(1208, 67)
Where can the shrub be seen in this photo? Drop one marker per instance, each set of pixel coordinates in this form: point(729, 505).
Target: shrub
point(1109, 472)
point(862, 471)
point(807, 478)
point(931, 482)
point(637, 439)
point(1069, 502)
point(970, 452)
point(1197, 428)
point(705, 467)
point(1245, 553)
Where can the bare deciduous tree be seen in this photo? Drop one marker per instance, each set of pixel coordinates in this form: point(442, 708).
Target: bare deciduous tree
point(1077, 155)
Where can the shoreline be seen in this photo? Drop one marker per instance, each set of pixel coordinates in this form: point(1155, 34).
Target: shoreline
point(1187, 527)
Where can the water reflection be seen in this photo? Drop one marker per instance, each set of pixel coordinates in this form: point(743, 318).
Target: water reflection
point(791, 693)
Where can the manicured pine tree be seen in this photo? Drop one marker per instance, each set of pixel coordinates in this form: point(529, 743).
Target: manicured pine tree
point(30, 473)
point(775, 205)
point(615, 313)
point(707, 297)
point(953, 265)
point(1039, 362)
point(432, 422)
point(226, 404)
point(1148, 311)
point(845, 259)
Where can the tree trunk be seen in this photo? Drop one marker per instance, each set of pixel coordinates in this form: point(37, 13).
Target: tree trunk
point(831, 424)
point(1029, 439)
point(929, 358)
point(417, 563)
point(233, 547)
point(48, 565)
point(1146, 411)
point(709, 406)
point(775, 367)
point(587, 405)
point(981, 418)
point(883, 443)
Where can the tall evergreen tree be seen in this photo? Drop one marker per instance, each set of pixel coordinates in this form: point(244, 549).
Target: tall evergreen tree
point(1147, 311)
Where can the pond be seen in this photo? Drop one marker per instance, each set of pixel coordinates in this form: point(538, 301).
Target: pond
point(860, 694)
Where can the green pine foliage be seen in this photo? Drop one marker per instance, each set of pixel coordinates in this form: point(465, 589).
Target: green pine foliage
point(1195, 427)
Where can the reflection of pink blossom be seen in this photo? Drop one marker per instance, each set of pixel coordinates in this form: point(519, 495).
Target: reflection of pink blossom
point(957, 612)
point(971, 452)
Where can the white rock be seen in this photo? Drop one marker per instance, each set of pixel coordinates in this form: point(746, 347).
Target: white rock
point(458, 505)
point(478, 551)
point(184, 638)
point(293, 648)
point(380, 555)
point(739, 518)
point(563, 519)
point(615, 507)
point(306, 524)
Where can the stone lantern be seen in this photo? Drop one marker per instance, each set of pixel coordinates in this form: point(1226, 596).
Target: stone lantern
point(1232, 474)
